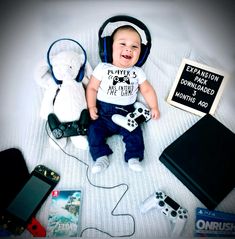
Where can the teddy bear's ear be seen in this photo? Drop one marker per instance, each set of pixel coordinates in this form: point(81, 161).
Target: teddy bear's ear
point(42, 75)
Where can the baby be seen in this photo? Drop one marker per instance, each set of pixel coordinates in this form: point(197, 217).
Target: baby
point(107, 96)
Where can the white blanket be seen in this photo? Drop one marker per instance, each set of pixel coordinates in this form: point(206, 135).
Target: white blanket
point(21, 127)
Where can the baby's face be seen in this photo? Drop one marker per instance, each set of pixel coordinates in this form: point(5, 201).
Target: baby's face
point(126, 48)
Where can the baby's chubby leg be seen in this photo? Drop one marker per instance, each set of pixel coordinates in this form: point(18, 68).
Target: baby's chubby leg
point(99, 149)
point(134, 148)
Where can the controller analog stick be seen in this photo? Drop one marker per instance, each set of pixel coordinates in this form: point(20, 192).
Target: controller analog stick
point(161, 203)
point(58, 133)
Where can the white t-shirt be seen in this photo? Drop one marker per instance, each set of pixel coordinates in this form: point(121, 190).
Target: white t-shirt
point(118, 85)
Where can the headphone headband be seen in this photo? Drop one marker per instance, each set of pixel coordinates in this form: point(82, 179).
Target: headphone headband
point(126, 18)
point(105, 42)
point(82, 69)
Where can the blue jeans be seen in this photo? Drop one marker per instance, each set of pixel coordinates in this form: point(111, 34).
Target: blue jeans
point(104, 127)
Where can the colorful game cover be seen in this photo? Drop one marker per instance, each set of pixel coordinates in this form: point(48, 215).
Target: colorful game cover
point(214, 223)
point(64, 218)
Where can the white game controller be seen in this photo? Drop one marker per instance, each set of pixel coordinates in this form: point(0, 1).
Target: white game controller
point(171, 209)
point(133, 119)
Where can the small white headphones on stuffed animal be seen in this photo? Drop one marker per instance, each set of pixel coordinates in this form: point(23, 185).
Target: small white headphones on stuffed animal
point(68, 44)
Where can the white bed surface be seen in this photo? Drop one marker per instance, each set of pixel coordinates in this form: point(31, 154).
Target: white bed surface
point(29, 31)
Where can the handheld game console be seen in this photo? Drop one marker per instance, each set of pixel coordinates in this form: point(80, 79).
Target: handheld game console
point(171, 209)
point(67, 129)
point(20, 213)
point(132, 120)
point(47, 174)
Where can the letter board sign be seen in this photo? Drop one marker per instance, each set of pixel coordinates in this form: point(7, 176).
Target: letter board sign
point(197, 88)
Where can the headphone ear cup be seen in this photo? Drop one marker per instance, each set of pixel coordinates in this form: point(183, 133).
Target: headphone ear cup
point(105, 49)
point(145, 50)
point(81, 73)
point(58, 82)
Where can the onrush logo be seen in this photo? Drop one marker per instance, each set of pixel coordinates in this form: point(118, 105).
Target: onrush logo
point(215, 226)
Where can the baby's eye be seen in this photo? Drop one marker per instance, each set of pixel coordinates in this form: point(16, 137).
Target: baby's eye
point(122, 44)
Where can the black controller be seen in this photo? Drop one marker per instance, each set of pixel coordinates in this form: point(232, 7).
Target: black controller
point(67, 129)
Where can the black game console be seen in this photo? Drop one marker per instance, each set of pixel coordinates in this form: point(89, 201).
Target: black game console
point(67, 129)
point(203, 158)
point(13, 164)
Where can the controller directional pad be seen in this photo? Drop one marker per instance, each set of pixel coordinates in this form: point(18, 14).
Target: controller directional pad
point(159, 195)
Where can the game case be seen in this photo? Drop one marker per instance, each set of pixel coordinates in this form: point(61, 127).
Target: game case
point(64, 218)
point(214, 223)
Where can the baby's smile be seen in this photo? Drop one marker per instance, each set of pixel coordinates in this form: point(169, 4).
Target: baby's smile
point(126, 57)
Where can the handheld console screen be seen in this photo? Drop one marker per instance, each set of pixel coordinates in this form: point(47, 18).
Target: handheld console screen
point(29, 198)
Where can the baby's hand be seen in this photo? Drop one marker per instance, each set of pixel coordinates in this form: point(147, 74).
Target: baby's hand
point(155, 113)
point(93, 113)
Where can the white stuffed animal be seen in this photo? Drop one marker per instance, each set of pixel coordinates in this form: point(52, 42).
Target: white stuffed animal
point(66, 100)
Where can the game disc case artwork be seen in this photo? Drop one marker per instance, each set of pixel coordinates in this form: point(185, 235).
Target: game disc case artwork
point(213, 223)
point(64, 218)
